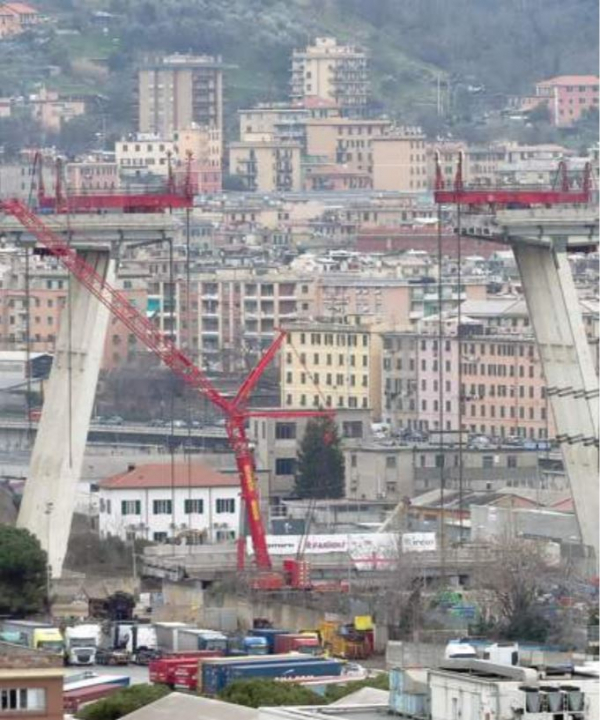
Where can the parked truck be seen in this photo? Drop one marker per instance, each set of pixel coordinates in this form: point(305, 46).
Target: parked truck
point(307, 643)
point(36, 635)
point(192, 639)
point(213, 675)
point(167, 635)
point(81, 644)
point(269, 634)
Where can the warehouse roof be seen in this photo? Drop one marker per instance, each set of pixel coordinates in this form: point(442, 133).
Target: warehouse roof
point(189, 707)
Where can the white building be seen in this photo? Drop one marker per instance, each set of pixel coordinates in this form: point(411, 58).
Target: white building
point(192, 502)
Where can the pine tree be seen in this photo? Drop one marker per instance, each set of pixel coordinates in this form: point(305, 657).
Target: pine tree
point(320, 462)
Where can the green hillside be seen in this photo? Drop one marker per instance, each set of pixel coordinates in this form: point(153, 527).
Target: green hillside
point(502, 47)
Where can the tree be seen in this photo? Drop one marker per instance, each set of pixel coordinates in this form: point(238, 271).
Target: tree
point(267, 693)
point(23, 572)
point(123, 702)
point(512, 587)
point(320, 461)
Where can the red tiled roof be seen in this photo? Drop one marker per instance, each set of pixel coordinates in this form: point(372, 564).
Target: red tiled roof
point(571, 80)
point(318, 102)
point(157, 475)
point(21, 8)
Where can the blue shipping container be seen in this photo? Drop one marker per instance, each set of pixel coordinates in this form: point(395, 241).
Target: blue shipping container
point(214, 672)
point(288, 670)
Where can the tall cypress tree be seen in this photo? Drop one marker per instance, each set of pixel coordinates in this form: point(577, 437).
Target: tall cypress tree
point(320, 461)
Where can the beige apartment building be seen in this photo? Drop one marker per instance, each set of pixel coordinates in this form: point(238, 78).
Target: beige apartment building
point(400, 161)
point(176, 91)
point(267, 166)
point(236, 313)
point(204, 143)
point(402, 303)
point(92, 176)
point(144, 153)
point(333, 364)
point(283, 121)
point(345, 141)
point(329, 71)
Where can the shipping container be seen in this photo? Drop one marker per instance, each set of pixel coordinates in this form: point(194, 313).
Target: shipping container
point(317, 668)
point(212, 678)
point(163, 669)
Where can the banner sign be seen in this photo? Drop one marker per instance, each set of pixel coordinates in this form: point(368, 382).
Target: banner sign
point(418, 542)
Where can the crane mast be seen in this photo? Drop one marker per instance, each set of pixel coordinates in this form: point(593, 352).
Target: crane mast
point(235, 410)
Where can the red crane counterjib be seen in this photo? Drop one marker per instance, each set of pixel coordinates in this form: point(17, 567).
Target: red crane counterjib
point(177, 361)
point(509, 197)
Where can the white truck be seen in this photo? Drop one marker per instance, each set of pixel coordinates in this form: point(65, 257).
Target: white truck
point(81, 644)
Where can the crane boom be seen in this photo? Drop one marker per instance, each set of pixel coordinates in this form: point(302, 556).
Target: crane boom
point(170, 355)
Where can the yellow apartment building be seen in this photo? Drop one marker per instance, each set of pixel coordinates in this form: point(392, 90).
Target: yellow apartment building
point(400, 161)
point(334, 72)
point(333, 364)
point(345, 141)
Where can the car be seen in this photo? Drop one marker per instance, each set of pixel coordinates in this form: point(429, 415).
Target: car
point(157, 422)
point(114, 420)
point(180, 423)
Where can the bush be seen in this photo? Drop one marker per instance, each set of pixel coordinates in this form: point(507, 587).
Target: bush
point(267, 693)
point(336, 692)
point(123, 702)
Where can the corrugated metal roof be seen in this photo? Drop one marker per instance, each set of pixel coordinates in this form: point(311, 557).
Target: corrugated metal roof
point(178, 706)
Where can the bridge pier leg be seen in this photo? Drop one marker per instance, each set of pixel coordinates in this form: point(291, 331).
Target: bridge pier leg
point(57, 458)
point(569, 371)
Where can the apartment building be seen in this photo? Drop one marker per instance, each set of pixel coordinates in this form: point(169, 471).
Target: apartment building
point(400, 161)
point(401, 302)
point(236, 313)
point(333, 72)
point(266, 166)
point(333, 364)
point(175, 91)
point(502, 387)
point(47, 296)
point(567, 97)
point(345, 141)
point(92, 176)
point(144, 153)
point(203, 143)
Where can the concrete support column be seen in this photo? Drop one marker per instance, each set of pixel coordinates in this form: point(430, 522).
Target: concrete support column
point(569, 371)
point(57, 457)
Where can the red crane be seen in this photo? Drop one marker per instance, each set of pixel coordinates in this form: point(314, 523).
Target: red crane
point(235, 410)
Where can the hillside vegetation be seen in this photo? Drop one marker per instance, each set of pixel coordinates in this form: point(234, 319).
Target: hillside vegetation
point(502, 47)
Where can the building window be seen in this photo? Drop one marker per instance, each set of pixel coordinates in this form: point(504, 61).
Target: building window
point(390, 462)
point(162, 507)
point(22, 699)
point(488, 461)
point(131, 507)
point(511, 461)
point(285, 466)
point(225, 505)
point(159, 536)
point(285, 431)
point(195, 505)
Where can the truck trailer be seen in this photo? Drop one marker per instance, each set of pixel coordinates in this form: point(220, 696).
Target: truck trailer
point(36, 635)
point(81, 644)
